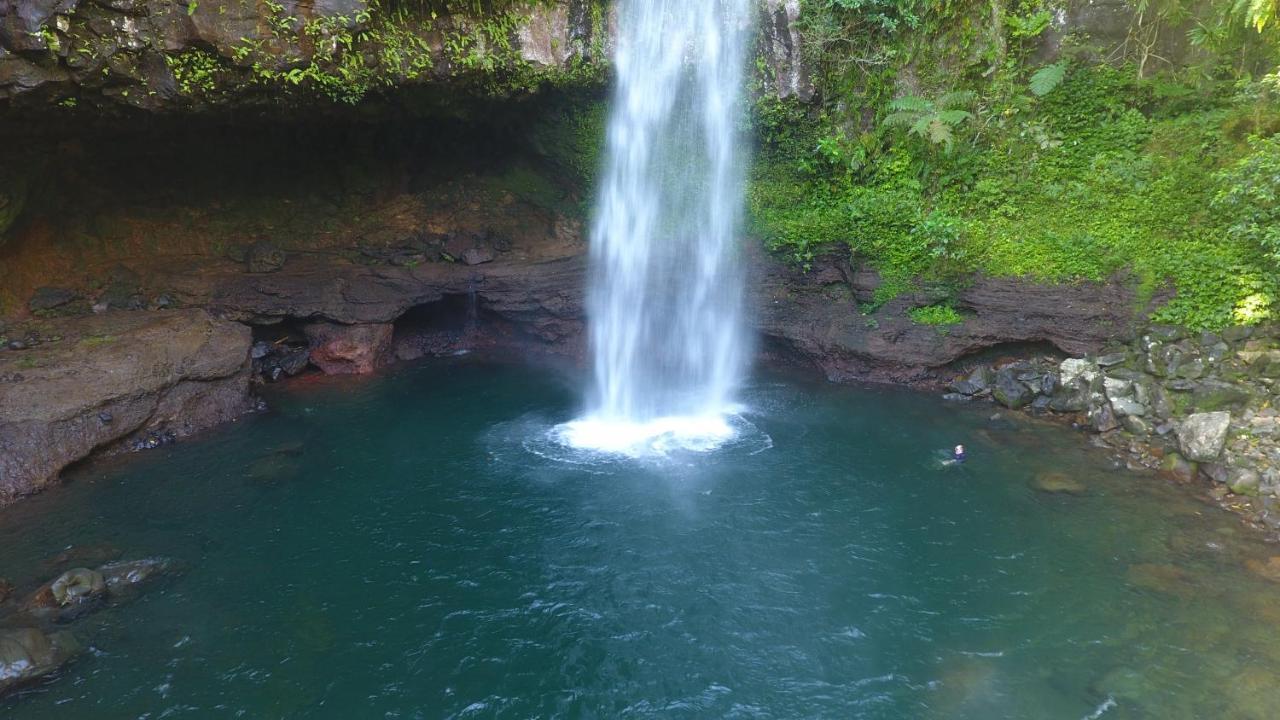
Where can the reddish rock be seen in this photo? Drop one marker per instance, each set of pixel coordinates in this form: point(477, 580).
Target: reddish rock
point(349, 349)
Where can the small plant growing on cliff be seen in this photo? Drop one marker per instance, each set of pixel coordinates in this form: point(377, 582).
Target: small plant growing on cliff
point(937, 315)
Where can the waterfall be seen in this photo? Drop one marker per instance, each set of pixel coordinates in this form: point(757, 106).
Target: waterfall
point(667, 339)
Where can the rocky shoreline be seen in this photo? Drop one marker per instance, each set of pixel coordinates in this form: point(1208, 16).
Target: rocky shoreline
point(174, 348)
point(1189, 407)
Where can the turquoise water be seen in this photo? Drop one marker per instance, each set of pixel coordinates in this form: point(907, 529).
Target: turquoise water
point(412, 547)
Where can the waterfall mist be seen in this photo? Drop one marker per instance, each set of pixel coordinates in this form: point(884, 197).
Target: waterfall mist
point(665, 298)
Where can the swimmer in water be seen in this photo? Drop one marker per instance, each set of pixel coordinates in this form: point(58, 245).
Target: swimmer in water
point(958, 454)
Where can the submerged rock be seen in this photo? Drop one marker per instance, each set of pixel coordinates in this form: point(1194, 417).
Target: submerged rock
point(1161, 578)
point(1268, 569)
point(1058, 483)
point(6, 589)
point(124, 580)
point(27, 654)
point(1203, 435)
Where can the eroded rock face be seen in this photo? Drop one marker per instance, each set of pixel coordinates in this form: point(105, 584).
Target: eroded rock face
point(111, 378)
point(815, 315)
point(349, 349)
point(781, 46)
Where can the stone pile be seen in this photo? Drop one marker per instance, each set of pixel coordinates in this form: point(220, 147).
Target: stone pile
point(1185, 403)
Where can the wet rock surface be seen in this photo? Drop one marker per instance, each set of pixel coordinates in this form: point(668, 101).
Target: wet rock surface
point(29, 654)
point(39, 633)
point(112, 381)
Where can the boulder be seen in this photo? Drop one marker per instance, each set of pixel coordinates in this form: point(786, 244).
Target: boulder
point(1243, 481)
point(77, 586)
point(1073, 397)
point(46, 299)
point(1113, 358)
point(1117, 388)
point(1203, 435)
point(74, 593)
point(1124, 407)
point(1009, 391)
point(348, 349)
point(1211, 394)
point(1215, 472)
point(1136, 425)
point(975, 382)
point(27, 654)
point(1072, 368)
point(1103, 419)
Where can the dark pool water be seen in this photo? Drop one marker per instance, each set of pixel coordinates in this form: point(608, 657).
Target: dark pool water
point(408, 547)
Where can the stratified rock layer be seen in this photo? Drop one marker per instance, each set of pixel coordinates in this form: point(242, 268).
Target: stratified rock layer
point(111, 378)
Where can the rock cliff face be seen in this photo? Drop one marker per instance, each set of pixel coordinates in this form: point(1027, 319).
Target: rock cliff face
point(113, 381)
point(814, 316)
point(172, 54)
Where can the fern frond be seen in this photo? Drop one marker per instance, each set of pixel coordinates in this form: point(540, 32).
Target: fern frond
point(1047, 78)
point(957, 98)
point(921, 125)
point(940, 133)
point(902, 118)
point(953, 117)
point(911, 103)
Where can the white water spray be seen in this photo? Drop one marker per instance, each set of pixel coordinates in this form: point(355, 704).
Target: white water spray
point(665, 298)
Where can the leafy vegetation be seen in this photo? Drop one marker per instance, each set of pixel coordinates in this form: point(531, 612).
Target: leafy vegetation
point(941, 315)
point(942, 149)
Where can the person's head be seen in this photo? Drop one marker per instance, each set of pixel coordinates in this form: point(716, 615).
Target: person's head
point(959, 449)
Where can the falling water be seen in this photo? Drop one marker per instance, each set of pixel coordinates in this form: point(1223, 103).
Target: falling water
point(666, 330)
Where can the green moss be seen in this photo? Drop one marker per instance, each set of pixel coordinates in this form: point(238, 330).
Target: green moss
point(92, 341)
point(570, 135)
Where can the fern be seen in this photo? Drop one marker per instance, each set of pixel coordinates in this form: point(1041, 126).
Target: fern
point(1258, 13)
point(1047, 78)
point(931, 120)
point(957, 98)
point(911, 103)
